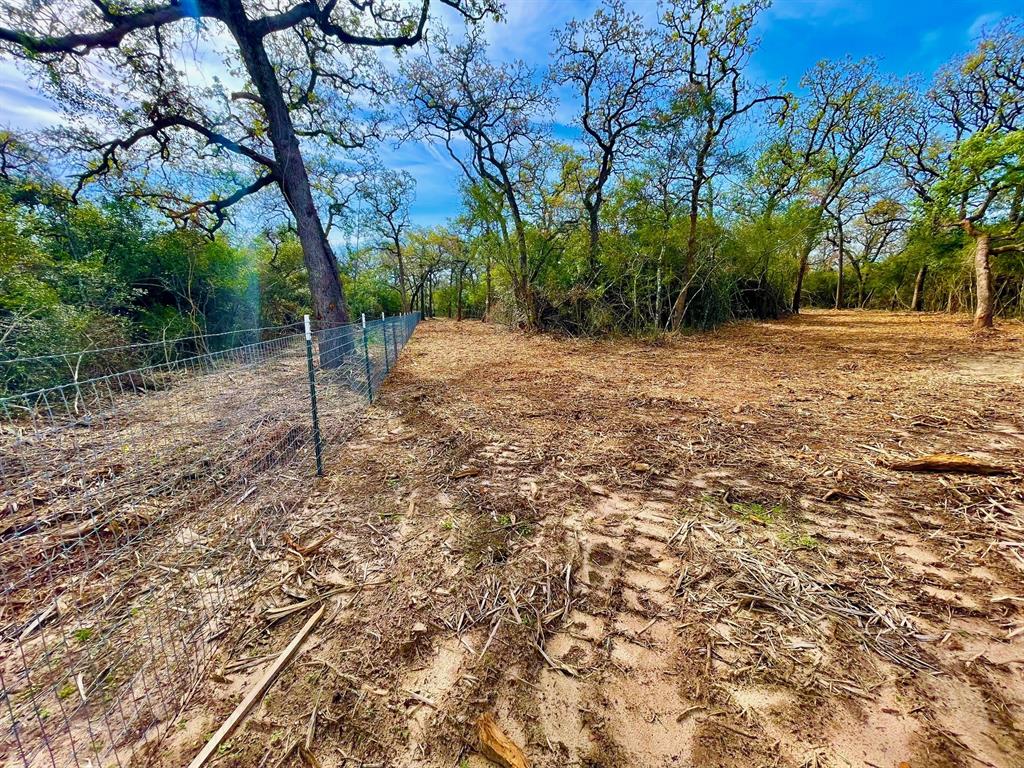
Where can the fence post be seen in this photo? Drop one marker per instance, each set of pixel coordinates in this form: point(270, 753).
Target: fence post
point(384, 330)
point(366, 355)
point(317, 444)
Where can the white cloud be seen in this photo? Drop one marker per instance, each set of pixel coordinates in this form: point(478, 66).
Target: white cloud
point(821, 13)
point(21, 106)
point(526, 32)
point(930, 39)
point(979, 25)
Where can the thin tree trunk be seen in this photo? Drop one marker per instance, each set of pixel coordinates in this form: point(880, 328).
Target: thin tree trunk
point(488, 299)
point(805, 256)
point(657, 291)
point(679, 307)
point(983, 275)
point(798, 291)
point(458, 293)
point(917, 303)
point(842, 245)
point(402, 289)
point(594, 235)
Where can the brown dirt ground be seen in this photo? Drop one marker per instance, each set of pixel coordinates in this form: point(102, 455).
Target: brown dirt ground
point(682, 553)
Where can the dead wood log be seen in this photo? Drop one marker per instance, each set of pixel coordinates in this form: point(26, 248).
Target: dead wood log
point(950, 462)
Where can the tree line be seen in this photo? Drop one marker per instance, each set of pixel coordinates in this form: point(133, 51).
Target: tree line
point(689, 194)
point(696, 194)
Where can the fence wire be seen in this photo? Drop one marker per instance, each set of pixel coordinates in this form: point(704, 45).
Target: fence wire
point(136, 505)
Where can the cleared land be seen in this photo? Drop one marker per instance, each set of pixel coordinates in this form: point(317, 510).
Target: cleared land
point(675, 554)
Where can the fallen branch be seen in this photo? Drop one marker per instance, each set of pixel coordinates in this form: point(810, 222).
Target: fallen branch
point(950, 462)
point(257, 692)
point(281, 611)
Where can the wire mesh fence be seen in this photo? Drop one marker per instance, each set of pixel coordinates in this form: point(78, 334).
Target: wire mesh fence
point(24, 373)
point(136, 505)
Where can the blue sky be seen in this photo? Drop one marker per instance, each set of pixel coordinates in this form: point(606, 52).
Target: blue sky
point(913, 36)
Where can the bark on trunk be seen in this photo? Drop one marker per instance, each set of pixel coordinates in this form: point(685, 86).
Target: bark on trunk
point(526, 290)
point(594, 235)
point(458, 294)
point(805, 256)
point(983, 274)
point(679, 307)
point(324, 281)
point(798, 291)
point(678, 314)
point(917, 304)
point(657, 291)
point(487, 308)
point(842, 245)
point(403, 291)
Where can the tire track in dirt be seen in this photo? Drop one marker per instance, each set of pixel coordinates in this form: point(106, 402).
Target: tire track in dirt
point(624, 705)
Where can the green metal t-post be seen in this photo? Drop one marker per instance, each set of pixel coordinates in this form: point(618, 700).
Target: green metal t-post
point(317, 443)
point(366, 354)
point(384, 330)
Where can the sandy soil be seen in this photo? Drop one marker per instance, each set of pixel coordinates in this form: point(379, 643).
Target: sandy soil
point(686, 553)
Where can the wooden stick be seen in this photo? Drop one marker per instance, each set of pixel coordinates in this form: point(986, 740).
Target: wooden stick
point(257, 692)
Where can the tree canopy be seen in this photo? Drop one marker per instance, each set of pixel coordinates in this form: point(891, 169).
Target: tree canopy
point(682, 191)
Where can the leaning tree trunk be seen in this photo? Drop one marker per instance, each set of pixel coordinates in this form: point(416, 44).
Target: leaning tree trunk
point(324, 281)
point(983, 275)
point(917, 304)
point(805, 257)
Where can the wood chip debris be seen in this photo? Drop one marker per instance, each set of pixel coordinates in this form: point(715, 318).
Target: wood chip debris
point(496, 746)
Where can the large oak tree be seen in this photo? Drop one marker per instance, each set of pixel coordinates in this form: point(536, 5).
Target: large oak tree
point(128, 67)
